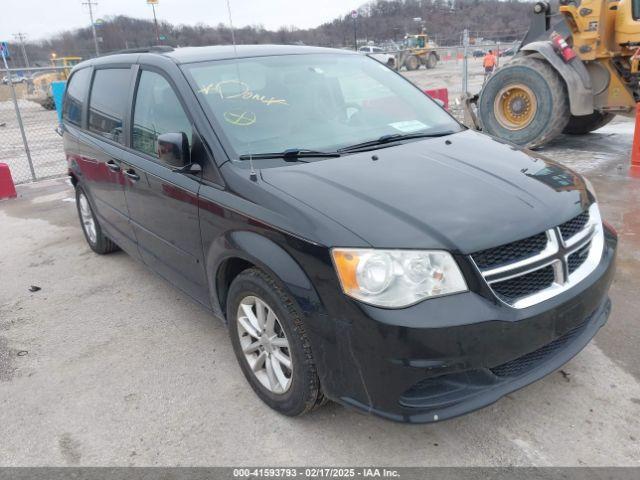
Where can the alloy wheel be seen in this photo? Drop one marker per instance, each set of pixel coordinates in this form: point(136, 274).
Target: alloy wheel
point(88, 222)
point(264, 344)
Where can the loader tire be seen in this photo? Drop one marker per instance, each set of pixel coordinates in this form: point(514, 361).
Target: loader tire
point(525, 102)
point(587, 123)
point(432, 61)
point(412, 62)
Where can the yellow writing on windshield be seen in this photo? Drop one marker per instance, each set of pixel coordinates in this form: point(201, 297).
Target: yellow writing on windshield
point(241, 119)
point(235, 89)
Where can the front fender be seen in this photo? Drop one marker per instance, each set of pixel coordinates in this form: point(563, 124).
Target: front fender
point(267, 255)
point(574, 74)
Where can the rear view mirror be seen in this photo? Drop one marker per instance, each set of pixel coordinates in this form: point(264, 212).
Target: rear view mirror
point(173, 149)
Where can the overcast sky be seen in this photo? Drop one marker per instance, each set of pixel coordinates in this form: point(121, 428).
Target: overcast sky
point(41, 18)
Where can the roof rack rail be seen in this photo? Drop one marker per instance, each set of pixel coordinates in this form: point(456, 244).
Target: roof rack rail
point(151, 49)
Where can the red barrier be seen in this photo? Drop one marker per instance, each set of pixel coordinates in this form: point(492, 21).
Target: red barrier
point(7, 189)
point(440, 94)
point(634, 171)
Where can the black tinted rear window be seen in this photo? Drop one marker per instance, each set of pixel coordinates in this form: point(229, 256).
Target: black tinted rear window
point(76, 93)
point(108, 102)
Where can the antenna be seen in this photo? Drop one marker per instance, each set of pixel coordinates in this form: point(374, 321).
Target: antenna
point(233, 36)
point(252, 172)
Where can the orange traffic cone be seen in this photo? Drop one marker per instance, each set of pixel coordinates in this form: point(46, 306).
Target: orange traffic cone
point(634, 171)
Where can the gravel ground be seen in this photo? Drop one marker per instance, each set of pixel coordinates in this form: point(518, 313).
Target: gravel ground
point(109, 365)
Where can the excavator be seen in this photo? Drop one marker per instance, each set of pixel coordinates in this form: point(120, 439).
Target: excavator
point(574, 71)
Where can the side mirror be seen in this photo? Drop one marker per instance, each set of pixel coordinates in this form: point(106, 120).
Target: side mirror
point(173, 149)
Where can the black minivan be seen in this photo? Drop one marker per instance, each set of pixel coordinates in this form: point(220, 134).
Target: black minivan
point(361, 245)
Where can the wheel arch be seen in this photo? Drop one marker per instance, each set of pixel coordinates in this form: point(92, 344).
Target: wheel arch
point(575, 76)
point(237, 251)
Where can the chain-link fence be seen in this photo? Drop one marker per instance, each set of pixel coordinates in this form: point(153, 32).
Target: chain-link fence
point(450, 71)
point(29, 143)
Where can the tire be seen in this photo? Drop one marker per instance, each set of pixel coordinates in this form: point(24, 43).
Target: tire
point(546, 115)
point(97, 241)
point(304, 392)
point(412, 62)
point(432, 61)
point(391, 63)
point(587, 123)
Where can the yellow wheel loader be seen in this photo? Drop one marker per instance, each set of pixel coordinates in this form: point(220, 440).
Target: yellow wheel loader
point(573, 72)
point(419, 50)
point(41, 84)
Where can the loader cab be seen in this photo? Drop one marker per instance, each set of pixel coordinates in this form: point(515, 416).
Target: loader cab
point(627, 22)
point(416, 41)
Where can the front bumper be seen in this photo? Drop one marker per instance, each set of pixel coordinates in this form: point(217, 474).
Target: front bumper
point(452, 355)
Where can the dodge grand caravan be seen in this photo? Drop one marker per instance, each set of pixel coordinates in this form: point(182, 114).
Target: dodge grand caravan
point(360, 244)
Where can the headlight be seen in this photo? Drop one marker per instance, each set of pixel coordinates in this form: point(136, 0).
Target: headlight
point(396, 278)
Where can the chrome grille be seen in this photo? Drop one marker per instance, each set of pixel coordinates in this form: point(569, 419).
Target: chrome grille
point(524, 285)
point(573, 226)
point(571, 251)
point(577, 258)
point(511, 252)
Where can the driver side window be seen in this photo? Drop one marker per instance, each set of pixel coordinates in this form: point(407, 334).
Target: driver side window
point(157, 110)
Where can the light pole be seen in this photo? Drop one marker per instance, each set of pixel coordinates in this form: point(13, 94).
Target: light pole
point(354, 15)
point(153, 4)
point(90, 4)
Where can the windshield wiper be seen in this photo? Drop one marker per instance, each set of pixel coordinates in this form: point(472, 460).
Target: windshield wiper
point(290, 155)
point(393, 137)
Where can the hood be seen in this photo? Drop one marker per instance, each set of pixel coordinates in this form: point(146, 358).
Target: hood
point(463, 193)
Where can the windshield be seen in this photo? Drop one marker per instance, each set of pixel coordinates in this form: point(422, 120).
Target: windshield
point(320, 102)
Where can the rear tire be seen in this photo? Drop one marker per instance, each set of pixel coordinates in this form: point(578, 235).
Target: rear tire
point(543, 109)
point(91, 228)
point(303, 392)
point(587, 123)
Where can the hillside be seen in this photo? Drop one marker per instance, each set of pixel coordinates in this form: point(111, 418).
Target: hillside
point(378, 21)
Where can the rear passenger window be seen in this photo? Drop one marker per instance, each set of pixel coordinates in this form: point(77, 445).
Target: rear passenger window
point(76, 91)
point(108, 103)
point(157, 110)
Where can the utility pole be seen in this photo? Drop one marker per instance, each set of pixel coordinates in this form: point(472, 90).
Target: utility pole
point(354, 15)
point(93, 25)
point(21, 37)
point(153, 4)
point(465, 68)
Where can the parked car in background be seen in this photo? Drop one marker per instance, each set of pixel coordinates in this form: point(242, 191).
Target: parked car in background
point(360, 244)
point(14, 79)
point(379, 54)
point(479, 53)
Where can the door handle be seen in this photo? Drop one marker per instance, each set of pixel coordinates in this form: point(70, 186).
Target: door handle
point(113, 166)
point(131, 173)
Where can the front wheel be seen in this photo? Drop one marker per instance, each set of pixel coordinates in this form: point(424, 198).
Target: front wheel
point(524, 102)
point(271, 345)
point(412, 63)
